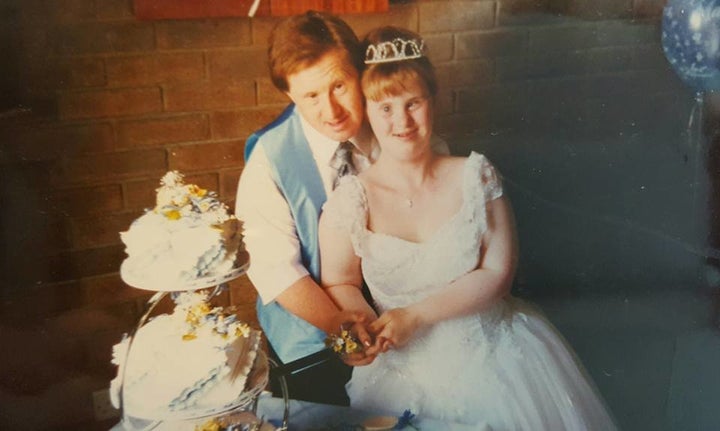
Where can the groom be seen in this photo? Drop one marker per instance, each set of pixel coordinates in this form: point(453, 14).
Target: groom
point(291, 166)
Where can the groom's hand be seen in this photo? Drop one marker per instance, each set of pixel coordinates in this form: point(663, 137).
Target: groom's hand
point(355, 322)
point(363, 356)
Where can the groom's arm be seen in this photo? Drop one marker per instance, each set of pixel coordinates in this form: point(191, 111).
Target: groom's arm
point(269, 234)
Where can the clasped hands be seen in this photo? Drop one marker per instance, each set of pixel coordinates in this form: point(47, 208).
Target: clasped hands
point(393, 329)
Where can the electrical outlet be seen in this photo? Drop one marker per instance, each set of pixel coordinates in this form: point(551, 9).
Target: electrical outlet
point(102, 406)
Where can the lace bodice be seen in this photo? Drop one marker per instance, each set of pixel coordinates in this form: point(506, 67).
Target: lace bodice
point(399, 272)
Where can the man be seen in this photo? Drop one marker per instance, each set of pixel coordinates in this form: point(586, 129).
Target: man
point(315, 59)
point(291, 167)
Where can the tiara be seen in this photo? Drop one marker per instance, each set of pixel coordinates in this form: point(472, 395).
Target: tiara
point(397, 50)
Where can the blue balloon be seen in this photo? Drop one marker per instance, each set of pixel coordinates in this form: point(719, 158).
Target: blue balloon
point(691, 41)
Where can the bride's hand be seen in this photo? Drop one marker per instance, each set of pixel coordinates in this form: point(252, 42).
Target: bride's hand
point(395, 328)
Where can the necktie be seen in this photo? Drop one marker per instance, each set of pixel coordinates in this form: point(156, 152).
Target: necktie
point(342, 161)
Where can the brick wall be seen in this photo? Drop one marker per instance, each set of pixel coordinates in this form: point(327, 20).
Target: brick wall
point(115, 102)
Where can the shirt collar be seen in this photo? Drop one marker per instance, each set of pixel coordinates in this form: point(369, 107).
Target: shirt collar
point(325, 147)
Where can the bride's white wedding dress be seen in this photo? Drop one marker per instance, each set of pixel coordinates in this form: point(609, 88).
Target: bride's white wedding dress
point(507, 366)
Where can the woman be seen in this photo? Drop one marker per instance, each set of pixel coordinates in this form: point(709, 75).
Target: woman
point(434, 238)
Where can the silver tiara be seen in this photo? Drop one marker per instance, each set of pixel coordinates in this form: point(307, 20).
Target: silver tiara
point(397, 50)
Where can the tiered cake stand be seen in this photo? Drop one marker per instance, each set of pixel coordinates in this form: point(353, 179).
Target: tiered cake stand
point(239, 413)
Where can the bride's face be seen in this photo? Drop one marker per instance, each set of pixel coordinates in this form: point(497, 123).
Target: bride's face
point(402, 123)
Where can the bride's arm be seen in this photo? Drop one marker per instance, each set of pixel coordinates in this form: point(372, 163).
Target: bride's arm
point(341, 276)
point(473, 292)
point(342, 279)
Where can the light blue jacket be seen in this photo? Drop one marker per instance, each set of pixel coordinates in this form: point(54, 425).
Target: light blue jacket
point(294, 170)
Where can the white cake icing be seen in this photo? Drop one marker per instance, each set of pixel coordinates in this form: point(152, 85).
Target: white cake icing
point(193, 361)
point(189, 235)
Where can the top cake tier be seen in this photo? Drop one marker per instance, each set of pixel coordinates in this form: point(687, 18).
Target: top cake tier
point(188, 241)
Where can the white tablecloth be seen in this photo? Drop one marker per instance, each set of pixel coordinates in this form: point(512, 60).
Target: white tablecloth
point(305, 416)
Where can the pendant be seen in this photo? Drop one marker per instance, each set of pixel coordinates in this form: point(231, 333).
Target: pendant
point(409, 202)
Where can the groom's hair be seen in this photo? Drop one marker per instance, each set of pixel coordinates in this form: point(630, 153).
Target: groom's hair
point(301, 40)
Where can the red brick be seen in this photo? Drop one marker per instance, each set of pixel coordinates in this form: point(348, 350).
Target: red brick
point(515, 7)
point(285, 8)
point(483, 99)
point(155, 69)
point(405, 16)
point(193, 9)
point(101, 230)
point(109, 103)
point(240, 124)
point(466, 73)
point(229, 181)
point(238, 65)
point(87, 200)
point(49, 236)
point(445, 103)
point(441, 16)
point(76, 264)
point(140, 194)
point(112, 166)
point(45, 143)
point(34, 361)
point(81, 72)
point(210, 96)
point(102, 37)
point(268, 94)
point(203, 33)
point(440, 47)
point(206, 156)
point(166, 130)
point(490, 44)
point(607, 9)
point(71, 10)
point(90, 321)
point(261, 28)
point(106, 290)
point(56, 234)
point(455, 125)
point(354, 6)
point(113, 9)
point(36, 300)
point(648, 8)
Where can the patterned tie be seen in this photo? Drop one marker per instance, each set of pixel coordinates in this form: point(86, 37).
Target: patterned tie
point(342, 161)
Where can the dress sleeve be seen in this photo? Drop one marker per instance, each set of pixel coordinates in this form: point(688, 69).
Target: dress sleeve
point(486, 176)
point(481, 185)
point(346, 209)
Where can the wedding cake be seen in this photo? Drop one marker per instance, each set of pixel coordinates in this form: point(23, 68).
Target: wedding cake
point(189, 235)
point(196, 360)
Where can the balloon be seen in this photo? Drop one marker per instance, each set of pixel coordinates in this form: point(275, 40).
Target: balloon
point(691, 41)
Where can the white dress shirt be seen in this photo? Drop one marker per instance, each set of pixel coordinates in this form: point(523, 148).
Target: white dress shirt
point(268, 226)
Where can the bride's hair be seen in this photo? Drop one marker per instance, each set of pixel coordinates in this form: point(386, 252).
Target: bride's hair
point(394, 56)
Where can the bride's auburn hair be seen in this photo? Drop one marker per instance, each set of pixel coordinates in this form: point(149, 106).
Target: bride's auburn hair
point(380, 80)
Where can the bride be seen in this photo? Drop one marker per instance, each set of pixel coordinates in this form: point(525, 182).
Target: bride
point(434, 238)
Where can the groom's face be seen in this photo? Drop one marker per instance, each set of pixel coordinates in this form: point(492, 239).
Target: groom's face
point(328, 96)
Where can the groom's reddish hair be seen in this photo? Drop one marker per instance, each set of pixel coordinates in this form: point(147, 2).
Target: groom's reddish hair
point(301, 40)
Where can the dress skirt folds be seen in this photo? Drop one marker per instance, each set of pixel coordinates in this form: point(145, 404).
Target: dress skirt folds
point(506, 366)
